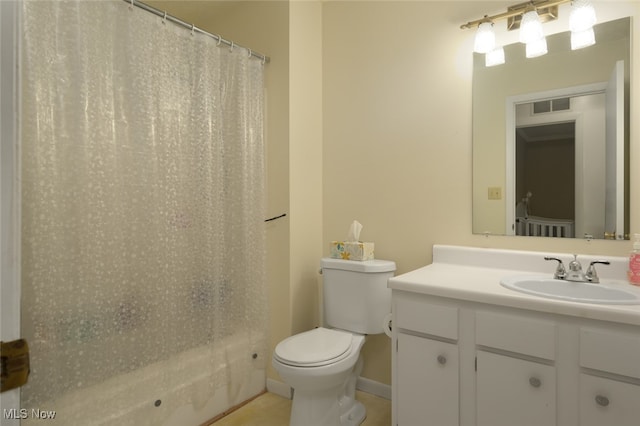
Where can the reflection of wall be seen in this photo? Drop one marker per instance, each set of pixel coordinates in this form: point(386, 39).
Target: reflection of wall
point(491, 87)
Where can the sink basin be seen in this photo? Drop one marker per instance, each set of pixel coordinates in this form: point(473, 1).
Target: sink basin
point(614, 293)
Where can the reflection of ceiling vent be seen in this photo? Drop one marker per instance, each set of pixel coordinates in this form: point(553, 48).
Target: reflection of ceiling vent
point(551, 105)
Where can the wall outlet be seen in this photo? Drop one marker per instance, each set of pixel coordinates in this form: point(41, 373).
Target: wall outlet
point(495, 193)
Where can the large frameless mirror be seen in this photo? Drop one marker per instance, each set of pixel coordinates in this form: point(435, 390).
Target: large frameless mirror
point(551, 139)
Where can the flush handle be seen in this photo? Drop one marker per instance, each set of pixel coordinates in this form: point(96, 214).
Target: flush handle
point(442, 360)
point(535, 382)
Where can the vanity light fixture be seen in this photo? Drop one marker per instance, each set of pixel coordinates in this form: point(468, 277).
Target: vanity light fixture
point(530, 27)
point(531, 33)
point(485, 40)
point(529, 17)
point(581, 22)
point(582, 17)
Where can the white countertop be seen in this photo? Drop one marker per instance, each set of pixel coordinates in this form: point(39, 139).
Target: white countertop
point(474, 274)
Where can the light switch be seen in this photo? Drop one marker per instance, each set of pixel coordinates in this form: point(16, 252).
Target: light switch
point(495, 193)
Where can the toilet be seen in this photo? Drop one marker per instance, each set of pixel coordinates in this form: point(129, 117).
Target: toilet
point(322, 365)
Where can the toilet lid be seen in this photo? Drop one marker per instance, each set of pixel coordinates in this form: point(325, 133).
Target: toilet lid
point(315, 347)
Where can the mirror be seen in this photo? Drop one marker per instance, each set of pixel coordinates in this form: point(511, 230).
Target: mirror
point(541, 163)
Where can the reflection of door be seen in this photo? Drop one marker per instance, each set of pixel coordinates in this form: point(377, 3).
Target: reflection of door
point(587, 112)
point(614, 198)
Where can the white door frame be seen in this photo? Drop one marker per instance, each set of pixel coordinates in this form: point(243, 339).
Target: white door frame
point(614, 202)
point(9, 189)
point(510, 137)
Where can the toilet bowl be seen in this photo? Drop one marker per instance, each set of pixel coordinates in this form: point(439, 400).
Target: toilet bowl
point(322, 366)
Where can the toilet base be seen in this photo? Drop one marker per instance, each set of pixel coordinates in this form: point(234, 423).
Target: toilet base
point(355, 415)
point(336, 406)
point(326, 409)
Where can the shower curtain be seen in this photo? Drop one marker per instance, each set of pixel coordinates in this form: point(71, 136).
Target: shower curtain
point(142, 198)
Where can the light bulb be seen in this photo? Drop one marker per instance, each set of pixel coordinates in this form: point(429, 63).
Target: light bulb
point(536, 48)
point(530, 27)
point(582, 17)
point(485, 40)
point(582, 39)
point(495, 57)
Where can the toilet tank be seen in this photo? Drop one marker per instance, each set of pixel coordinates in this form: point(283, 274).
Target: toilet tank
point(355, 294)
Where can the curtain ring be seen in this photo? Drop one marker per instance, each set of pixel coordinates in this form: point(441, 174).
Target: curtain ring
point(131, 5)
point(250, 53)
point(193, 29)
point(164, 19)
point(231, 47)
point(219, 40)
point(264, 60)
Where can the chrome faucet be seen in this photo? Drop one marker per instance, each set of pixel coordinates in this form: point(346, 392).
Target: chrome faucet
point(575, 270)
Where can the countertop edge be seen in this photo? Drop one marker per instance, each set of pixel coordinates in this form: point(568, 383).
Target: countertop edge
point(482, 285)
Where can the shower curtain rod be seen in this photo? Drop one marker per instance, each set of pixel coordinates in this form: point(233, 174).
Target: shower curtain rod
point(193, 28)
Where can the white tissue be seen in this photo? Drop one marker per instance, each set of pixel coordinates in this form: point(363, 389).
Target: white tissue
point(354, 231)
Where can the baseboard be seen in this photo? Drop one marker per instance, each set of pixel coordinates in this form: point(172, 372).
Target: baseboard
point(375, 388)
point(365, 385)
point(279, 388)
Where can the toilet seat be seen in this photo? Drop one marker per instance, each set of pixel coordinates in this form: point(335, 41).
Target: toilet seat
point(314, 348)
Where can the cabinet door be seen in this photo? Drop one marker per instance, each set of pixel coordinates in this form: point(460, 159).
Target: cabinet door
point(608, 402)
point(427, 388)
point(512, 391)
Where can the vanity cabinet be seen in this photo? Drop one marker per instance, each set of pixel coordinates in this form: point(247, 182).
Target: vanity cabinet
point(458, 362)
point(515, 372)
point(427, 354)
point(423, 360)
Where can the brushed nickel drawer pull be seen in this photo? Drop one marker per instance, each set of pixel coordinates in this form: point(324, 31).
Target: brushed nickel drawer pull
point(603, 401)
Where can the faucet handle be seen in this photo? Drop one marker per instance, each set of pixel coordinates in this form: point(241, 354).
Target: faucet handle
point(592, 275)
point(560, 271)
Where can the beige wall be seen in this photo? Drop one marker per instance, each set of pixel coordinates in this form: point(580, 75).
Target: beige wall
point(370, 119)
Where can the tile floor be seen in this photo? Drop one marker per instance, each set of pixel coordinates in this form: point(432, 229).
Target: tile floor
point(273, 410)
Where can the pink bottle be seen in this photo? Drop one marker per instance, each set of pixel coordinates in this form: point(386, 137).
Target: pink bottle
point(634, 262)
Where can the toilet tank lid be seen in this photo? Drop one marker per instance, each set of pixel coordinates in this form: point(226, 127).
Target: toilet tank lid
point(367, 266)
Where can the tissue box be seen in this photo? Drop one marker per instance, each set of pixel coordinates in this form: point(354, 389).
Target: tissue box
point(355, 250)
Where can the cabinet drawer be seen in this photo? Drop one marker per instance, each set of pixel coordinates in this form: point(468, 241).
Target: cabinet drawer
point(427, 318)
point(608, 402)
point(518, 334)
point(610, 351)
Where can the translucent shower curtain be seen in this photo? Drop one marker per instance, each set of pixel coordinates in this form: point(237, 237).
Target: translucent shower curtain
point(142, 201)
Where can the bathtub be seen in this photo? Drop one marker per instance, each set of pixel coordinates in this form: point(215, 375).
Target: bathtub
point(178, 391)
